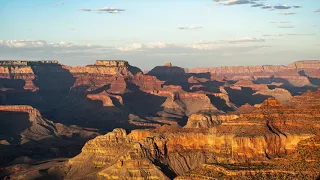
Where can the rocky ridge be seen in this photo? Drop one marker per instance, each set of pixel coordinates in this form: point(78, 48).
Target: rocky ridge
point(268, 140)
point(290, 75)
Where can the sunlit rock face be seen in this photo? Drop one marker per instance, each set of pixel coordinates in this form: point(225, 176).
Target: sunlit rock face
point(18, 70)
point(280, 94)
point(295, 74)
point(209, 143)
point(102, 73)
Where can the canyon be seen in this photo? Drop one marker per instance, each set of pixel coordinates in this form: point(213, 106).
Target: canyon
point(241, 122)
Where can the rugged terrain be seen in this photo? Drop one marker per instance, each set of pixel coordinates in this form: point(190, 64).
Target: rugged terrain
point(202, 123)
point(25, 134)
point(269, 140)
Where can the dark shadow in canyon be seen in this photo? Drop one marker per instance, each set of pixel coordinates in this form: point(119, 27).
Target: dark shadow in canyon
point(219, 103)
point(12, 124)
point(241, 97)
point(314, 81)
point(141, 103)
point(12, 83)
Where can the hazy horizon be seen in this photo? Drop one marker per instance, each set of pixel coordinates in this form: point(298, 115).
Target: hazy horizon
point(149, 33)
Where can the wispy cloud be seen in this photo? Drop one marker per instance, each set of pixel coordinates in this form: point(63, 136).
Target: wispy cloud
point(103, 10)
point(85, 9)
point(256, 3)
point(281, 22)
point(59, 4)
point(317, 10)
point(285, 26)
point(189, 27)
point(203, 45)
point(296, 6)
point(231, 2)
point(282, 7)
point(42, 44)
point(235, 40)
point(111, 10)
point(287, 13)
point(292, 34)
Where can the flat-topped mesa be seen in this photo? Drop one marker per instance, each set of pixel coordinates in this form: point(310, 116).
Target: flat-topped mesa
point(13, 63)
point(166, 71)
point(112, 63)
point(307, 64)
point(21, 108)
point(106, 67)
point(26, 63)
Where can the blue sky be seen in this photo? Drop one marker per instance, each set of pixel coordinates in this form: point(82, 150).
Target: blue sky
point(189, 33)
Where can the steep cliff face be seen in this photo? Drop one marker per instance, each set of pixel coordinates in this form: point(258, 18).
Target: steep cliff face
point(250, 84)
point(92, 76)
point(307, 99)
point(289, 75)
point(208, 120)
point(25, 134)
point(303, 163)
point(104, 73)
point(28, 125)
point(309, 68)
point(280, 94)
point(270, 130)
point(147, 83)
point(17, 71)
point(187, 103)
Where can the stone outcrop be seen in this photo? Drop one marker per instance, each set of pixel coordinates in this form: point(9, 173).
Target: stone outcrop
point(250, 84)
point(303, 163)
point(209, 146)
point(208, 120)
point(105, 98)
point(280, 94)
point(308, 99)
point(18, 71)
point(289, 75)
point(104, 73)
point(25, 133)
point(147, 83)
point(270, 139)
point(167, 71)
point(36, 127)
point(187, 103)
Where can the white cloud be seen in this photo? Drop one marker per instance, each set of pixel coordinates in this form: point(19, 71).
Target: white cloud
point(293, 34)
point(231, 2)
point(189, 27)
point(199, 45)
point(143, 47)
point(287, 13)
point(42, 44)
point(235, 40)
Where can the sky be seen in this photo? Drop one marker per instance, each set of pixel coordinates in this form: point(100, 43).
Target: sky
point(147, 33)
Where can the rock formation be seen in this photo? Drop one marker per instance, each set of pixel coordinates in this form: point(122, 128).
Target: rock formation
point(268, 140)
point(221, 139)
point(289, 75)
point(23, 129)
point(280, 94)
